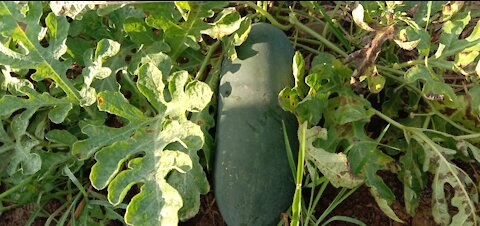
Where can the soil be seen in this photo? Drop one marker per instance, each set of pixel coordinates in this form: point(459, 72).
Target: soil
point(209, 215)
point(20, 216)
point(362, 206)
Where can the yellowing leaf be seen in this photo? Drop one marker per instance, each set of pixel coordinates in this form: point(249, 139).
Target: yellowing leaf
point(227, 22)
point(407, 45)
point(161, 151)
point(358, 14)
point(465, 196)
point(138, 31)
point(376, 83)
point(334, 166)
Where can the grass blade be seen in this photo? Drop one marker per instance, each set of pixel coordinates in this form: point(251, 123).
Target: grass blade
point(344, 219)
point(297, 198)
point(291, 162)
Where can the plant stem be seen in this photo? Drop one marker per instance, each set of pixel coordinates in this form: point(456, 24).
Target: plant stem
point(338, 199)
point(260, 4)
point(388, 119)
point(55, 213)
point(291, 161)
point(312, 50)
point(454, 124)
point(16, 187)
point(6, 208)
point(429, 12)
point(313, 205)
point(432, 107)
point(6, 148)
point(408, 63)
point(297, 203)
point(467, 137)
point(210, 52)
point(335, 29)
point(460, 137)
point(311, 32)
point(301, 13)
point(266, 15)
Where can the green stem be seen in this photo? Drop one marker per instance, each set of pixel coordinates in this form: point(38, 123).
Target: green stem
point(408, 64)
point(388, 119)
point(214, 75)
point(265, 6)
point(310, 203)
point(320, 193)
point(16, 187)
point(461, 137)
point(6, 208)
point(335, 29)
point(472, 134)
point(429, 12)
point(291, 161)
point(55, 213)
point(427, 121)
point(454, 124)
point(468, 137)
point(418, 132)
point(307, 40)
point(301, 13)
point(421, 114)
point(260, 4)
point(393, 71)
point(315, 18)
point(5, 148)
point(266, 15)
point(210, 52)
point(312, 50)
point(297, 203)
point(311, 32)
point(430, 104)
point(339, 198)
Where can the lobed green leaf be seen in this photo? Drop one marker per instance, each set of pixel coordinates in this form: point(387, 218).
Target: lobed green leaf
point(334, 166)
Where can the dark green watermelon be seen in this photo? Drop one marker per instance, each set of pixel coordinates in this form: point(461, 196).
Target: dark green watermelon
point(253, 182)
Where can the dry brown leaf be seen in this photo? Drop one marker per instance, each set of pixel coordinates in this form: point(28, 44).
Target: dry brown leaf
point(365, 58)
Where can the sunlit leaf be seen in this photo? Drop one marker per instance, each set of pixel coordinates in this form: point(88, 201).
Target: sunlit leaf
point(226, 23)
point(44, 60)
point(450, 9)
point(138, 31)
point(187, 34)
point(407, 45)
point(450, 32)
point(161, 151)
point(358, 14)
